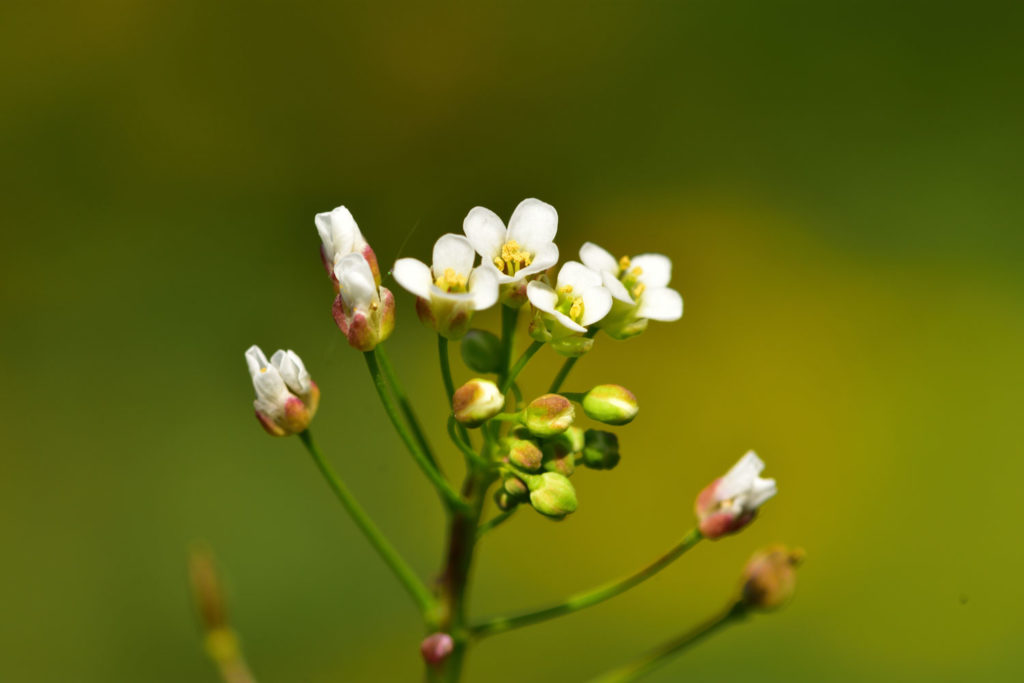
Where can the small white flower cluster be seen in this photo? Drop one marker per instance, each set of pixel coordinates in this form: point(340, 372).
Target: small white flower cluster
point(617, 296)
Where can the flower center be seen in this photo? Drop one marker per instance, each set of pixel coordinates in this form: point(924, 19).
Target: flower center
point(630, 277)
point(568, 304)
point(451, 281)
point(512, 259)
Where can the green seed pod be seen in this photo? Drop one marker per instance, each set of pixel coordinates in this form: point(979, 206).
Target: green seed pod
point(552, 495)
point(548, 415)
point(611, 404)
point(601, 450)
point(481, 351)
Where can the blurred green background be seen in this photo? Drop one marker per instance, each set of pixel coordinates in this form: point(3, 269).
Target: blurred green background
point(838, 184)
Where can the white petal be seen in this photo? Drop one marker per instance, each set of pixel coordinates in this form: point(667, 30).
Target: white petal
point(270, 388)
point(292, 370)
point(542, 260)
point(533, 224)
point(567, 322)
point(615, 286)
point(741, 477)
point(483, 285)
point(661, 304)
point(656, 269)
point(355, 280)
point(414, 276)
point(576, 275)
point(761, 492)
point(455, 252)
point(339, 233)
point(485, 231)
point(597, 301)
point(542, 296)
point(255, 360)
point(598, 259)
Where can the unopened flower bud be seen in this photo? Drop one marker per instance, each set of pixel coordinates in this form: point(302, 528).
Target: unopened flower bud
point(286, 397)
point(363, 311)
point(515, 488)
point(435, 648)
point(611, 404)
point(770, 577)
point(481, 351)
point(504, 501)
point(524, 454)
point(731, 502)
point(548, 415)
point(552, 495)
point(477, 401)
point(561, 450)
point(601, 451)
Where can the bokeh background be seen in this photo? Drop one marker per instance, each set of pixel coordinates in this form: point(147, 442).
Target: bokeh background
point(838, 184)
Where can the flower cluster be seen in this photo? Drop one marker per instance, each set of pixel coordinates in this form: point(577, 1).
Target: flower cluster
point(521, 449)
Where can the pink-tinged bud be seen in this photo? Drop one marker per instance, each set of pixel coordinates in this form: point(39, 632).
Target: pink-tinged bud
point(477, 401)
point(548, 415)
point(339, 237)
point(524, 454)
point(730, 503)
point(769, 579)
point(364, 311)
point(435, 648)
point(286, 397)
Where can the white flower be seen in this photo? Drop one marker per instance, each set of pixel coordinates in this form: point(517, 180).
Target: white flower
point(525, 249)
point(339, 234)
point(578, 300)
point(450, 290)
point(364, 312)
point(286, 397)
point(339, 237)
point(639, 286)
point(728, 504)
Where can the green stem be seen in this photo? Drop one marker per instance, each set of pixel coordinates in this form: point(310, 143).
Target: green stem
point(591, 597)
point(402, 571)
point(663, 653)
point(520, 364)
point(494, 522)
point(449, 385)
point(509, 317)
point(567, 366)
point(448, 494)
point(463, 446)
point(405, 405)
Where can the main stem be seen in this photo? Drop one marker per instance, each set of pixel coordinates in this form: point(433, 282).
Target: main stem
point(408, 578)
point(591, 597)
point(453, 583)
point(663, 653)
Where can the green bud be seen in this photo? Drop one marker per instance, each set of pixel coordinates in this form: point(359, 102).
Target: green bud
point(481, 351)
point(611, 404)
point(524, 454)
point(560, 451)
point(552, 495)
point(477, 401)
point(548, 415)
point(515, 488)
point(601, 450)
point(503, 500)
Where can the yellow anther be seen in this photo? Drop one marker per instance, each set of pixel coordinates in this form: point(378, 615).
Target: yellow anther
point(263, 369)
point(565, 289)
point(451, 281)
point(512, 258)
point(639, 289)
point(576, 310)
point(637, 272)
point(624, 263)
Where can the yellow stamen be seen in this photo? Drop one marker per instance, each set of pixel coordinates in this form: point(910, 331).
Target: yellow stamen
point(513, 258)
point(451, 281)
point(637, 272)
point(639, 289)
point(565, 289)
point(576, 310)
point(624, 263)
